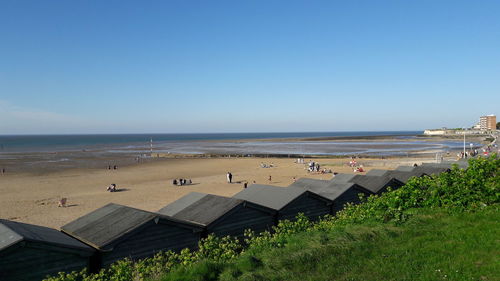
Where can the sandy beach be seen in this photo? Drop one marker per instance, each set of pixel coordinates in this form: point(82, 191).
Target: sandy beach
point(33, 198)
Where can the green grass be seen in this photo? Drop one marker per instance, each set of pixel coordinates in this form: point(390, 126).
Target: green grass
point(432, 245)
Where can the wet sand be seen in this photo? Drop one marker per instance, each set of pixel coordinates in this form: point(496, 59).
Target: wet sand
point(100, 157)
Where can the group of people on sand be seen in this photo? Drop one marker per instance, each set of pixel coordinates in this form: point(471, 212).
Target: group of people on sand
point(358, 168)
point(180, 182)
point(313, 166)
point(264, 165)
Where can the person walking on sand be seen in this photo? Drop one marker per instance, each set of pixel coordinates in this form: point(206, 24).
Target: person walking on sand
point(269, 178)
point(229, 177)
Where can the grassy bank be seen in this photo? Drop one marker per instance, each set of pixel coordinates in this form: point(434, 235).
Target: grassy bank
point(432, 245)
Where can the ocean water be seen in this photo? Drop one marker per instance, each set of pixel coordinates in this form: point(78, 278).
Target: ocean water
point(56, 143)
point(55, 152)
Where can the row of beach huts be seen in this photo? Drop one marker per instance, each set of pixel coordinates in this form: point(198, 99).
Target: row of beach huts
point(113, 232)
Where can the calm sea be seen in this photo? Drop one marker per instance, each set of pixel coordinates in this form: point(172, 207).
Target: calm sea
point(54, 152)
point(56, 143)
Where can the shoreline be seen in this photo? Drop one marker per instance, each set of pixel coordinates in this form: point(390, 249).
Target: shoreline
point(44, 162)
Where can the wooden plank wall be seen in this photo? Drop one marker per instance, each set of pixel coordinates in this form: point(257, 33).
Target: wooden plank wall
point(350, 196)
point(244, 218)
point(151, 240)
point(36, 261)
point(310, 206)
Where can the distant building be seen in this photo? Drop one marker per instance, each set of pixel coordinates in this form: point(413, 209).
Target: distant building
point(442, 132)
point(488, 122)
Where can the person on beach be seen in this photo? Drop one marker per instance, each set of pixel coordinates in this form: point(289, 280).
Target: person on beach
point(229, 177)
point(62, 202)
point(111, 188)
point(269, 178)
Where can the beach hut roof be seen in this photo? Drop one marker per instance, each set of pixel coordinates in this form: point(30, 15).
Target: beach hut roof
point(113, 222)
point(328, 189)
point(12, 233)
point(401, 176)
point(307, 183)
point(334, 190)
point(180, 204)
point(405, 168)
point(431, 169)
point(377, 172)
point(200, 207)
point(373, 183)
point(448, 164)
point(404, 173)
point(343, 178)
point(270, 196)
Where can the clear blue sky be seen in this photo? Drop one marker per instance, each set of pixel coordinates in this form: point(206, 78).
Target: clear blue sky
point(246, 66)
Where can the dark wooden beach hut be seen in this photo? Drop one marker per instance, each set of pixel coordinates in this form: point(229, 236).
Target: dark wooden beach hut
point(407, 172)
point(288, 202)
point(402, 176)
point(462, 164)
point(339, 193)
point(437, 168)
point(343, 177)
point(377, 184)
point(31, 252)
point(221, 215)
point(424, 170)
point(432, 169)
point(374, 184)
point(404, 173)
point(118, 232)
point(307, 182)
point(344, 193)
point(405, 168)
point(377, 172)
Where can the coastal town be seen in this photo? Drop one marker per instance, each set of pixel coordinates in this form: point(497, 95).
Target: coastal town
point(485, 126)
